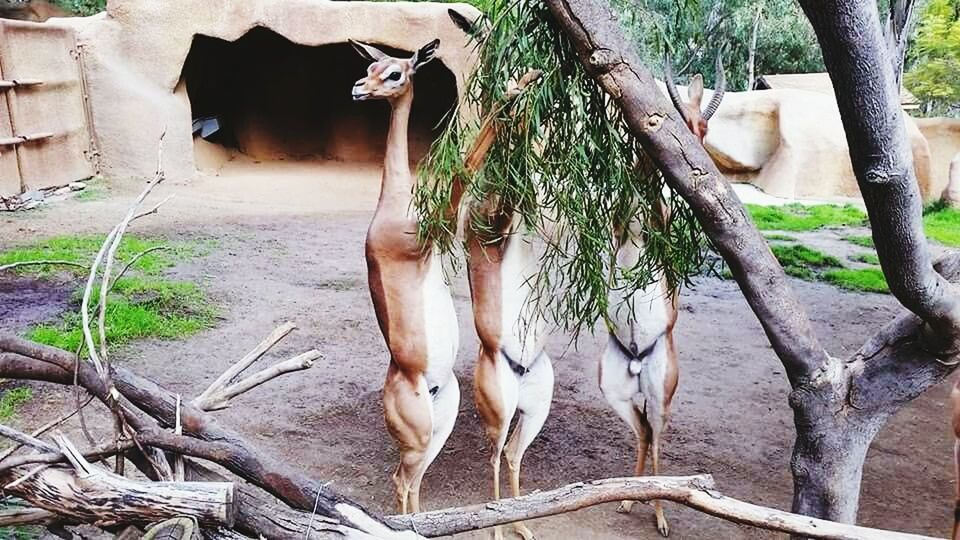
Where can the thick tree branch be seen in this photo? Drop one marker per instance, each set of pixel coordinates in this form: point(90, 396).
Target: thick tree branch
point(694, 491)
point(869, 101)
point(609, 58)
point(248, 360)
point(103, 497)
point(220, 399)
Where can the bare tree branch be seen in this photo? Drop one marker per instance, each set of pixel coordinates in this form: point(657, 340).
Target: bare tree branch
point(14, 265)
point(220, 399)
point(236, 369)
point(25, 439)
point(697, 492)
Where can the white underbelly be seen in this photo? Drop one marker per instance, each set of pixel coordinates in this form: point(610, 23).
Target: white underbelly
point(523, 331)
point(440, 324)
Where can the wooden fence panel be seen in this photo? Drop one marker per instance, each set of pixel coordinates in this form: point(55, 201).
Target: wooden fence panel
point(48, 53)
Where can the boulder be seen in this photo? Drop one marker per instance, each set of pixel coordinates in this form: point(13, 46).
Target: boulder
point(943, 136)
point(791, 143)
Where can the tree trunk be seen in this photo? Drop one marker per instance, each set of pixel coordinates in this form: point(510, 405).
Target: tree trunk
point(829, 453)
point(839, 404)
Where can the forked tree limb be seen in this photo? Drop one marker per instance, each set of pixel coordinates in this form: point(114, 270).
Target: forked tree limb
point(220, 399)
point(857, 58)
point(241, 365)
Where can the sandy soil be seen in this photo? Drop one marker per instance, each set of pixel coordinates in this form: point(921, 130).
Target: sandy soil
point(289, 246)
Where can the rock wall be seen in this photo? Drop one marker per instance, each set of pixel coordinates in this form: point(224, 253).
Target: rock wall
point(943, 136)
point(791, 143)
point(134, 56)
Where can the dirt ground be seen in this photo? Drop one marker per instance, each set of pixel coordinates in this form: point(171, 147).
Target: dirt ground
point(289, 246)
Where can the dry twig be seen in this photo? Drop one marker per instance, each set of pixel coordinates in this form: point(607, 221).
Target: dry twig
point(14, 265)
point(236, 369)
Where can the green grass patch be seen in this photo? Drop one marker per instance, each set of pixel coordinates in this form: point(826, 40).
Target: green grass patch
point(12, 400)
point(139, 307)
point(142, 304)
point(862, 240)
point(774, 237)
point(93, 192)
point(82, 7)
point(82, 249)
point(802, 262)
point(866, 258)
point(20, 532)
point(943, 225)
point(797, 217)
point(862, 280)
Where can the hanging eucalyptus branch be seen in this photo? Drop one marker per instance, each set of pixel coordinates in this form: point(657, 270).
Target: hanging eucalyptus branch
point(564, 161)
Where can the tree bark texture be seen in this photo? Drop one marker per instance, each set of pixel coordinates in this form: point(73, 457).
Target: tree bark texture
point(106, 498)
point(869, 101)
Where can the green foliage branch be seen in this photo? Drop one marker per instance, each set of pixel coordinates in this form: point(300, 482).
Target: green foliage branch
point(565, 162)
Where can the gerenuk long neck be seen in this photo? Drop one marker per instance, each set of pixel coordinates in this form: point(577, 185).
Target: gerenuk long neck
point(397, 178)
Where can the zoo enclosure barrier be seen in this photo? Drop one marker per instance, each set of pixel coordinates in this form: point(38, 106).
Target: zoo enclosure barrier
point(45, 130)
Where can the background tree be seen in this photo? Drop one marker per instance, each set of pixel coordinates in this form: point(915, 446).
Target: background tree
point(695, 30)
point(935, 57)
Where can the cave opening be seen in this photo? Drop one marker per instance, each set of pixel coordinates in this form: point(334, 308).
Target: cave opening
point(274, 100)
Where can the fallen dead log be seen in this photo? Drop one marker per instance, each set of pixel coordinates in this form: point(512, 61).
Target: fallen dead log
point(91, 494)
point(214, 442)
point(11, 517)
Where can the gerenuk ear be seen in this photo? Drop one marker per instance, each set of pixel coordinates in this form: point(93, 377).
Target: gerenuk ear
point(695, 91)
point(425, 54)
point(369, 52)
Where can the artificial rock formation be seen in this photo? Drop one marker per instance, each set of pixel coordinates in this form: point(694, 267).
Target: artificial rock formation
point(276, 68)
point(943, 136)
point(135, 54)
point(791, 143)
